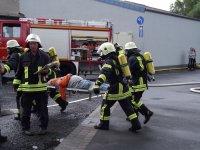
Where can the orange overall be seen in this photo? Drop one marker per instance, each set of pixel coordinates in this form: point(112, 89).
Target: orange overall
point(61, 84)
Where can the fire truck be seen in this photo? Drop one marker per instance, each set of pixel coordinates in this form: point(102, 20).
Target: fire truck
point(76, 41)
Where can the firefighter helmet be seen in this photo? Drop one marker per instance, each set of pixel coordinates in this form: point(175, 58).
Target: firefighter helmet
point(130, 45)
point(106, 48)
point(12, 43)
point(33, 38)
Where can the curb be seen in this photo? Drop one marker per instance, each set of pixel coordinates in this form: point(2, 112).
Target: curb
point(81, 136)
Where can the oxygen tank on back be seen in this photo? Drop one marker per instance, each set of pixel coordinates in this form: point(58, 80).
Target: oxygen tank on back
point(124, 66)
point(53, 55)
point(122, 61)
point(149, 63)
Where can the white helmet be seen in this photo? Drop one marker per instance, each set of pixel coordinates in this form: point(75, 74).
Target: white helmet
point(12, 43)
point(130, 45)
point(106, 48)
point(33, 38)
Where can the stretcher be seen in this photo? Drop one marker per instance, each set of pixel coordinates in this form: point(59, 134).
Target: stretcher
point(88, 90)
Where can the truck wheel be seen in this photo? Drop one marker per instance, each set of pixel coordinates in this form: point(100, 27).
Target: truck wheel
point(67, 67)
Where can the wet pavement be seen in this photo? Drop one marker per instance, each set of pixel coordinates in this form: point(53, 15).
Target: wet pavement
point(175, 124)
point(60, 124)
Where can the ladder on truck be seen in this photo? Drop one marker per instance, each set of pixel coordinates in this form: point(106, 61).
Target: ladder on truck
point(66, 22)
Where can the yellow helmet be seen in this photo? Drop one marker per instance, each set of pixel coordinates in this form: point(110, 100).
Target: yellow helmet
point(106, 48)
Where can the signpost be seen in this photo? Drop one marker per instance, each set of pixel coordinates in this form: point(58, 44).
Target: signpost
point(140, 21)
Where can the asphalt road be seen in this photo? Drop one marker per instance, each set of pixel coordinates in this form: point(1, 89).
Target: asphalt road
point(164, 123)
point(60, 124)
point(175, 124)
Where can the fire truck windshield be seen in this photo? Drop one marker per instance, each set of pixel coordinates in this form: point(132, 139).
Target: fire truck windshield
point(11, 30)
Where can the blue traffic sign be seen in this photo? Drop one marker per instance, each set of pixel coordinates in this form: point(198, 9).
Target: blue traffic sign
point(140, 20)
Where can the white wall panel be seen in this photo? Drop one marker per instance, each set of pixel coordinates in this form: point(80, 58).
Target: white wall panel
point(168, 38)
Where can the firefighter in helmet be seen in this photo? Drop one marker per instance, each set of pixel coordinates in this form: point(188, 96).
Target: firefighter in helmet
point(14, 52)
point(33, 86)
point(118, 91)
point(53, 75)
point(138, 70)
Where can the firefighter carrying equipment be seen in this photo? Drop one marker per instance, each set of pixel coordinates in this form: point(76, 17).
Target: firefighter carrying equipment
point(124, 66)
point(25, 74)
point(118, 91)
point(149, 63)
point(53, 55)
point(61, 84)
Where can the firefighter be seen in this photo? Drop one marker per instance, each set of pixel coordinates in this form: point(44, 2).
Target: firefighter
point(138, 70)
point(53, 93)
point(14, 52)
point(53, 74)
point(118, 90)
point(33, 86)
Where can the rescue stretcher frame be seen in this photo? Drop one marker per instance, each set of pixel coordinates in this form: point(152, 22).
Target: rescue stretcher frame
point(89, 91)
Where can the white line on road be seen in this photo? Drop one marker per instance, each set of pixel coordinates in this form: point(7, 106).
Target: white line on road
point(83, 99)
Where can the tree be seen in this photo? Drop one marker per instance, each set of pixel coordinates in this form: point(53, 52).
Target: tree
point(190, 8)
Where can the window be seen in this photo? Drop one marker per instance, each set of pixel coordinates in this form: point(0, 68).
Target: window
point(11, 30)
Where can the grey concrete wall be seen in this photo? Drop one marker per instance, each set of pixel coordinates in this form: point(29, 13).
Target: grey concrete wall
point(168, 38)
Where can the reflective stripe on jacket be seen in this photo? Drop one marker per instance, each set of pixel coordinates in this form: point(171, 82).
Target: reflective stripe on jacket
point(112, 74)
point(28, 65)
point(138, 71)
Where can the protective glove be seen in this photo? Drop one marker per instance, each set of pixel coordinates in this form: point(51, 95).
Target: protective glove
point(150, 78)
point(96, 90)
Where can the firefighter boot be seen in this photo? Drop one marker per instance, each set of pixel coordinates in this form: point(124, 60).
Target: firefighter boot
point(135, 125)
point(146, 112)
point(3, 138)
point(103, 125)
point(62, 103)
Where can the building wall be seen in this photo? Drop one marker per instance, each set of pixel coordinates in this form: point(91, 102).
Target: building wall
point(167, 37)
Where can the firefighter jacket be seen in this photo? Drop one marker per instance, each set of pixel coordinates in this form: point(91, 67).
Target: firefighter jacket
point(112, 74)
point(138, 70)
point(28, 65)
point(12, 62)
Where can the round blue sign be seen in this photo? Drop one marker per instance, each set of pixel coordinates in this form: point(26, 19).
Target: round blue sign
point(140, 20)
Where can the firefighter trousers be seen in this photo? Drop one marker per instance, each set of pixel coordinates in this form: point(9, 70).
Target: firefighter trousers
point(18, 99)
point(125, 105)
point(137, 104)
point(41, 99)
point(137, 96)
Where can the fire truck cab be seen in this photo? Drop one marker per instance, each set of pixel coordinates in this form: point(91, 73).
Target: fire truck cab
point(75, 41)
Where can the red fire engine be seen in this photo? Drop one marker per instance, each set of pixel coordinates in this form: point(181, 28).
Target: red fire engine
point(75, 41)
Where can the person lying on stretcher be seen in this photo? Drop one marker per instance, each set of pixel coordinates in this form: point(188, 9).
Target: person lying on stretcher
point(74, 82)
